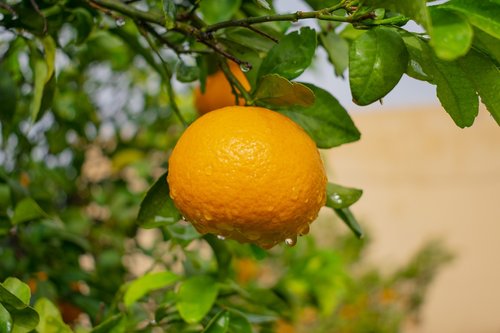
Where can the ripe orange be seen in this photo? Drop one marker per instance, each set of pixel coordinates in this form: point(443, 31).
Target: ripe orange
point(247, 173)
point(218, 92)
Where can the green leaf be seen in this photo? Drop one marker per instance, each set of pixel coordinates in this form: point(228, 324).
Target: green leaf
point(219, 323)
point(337, 49)
point(222, 255)
point(185, 73)
point(484, 75)
point(15, 296)
point(483, 14)
point(147, 283)
point(275, 90)
point(40, 77)
point(258, 252)
point(455, 91)
point(417, 51)
point(214, 11)
point(292, 55)
point(49, 47)
point(169, 10)
point(6, 322)
point(326, 121)
point(110, 324)
point(157, 208)
point(451, 34)
point(50, 318)
point(84, 22)
point(19, 289)
point(348, 218)
point(183, 233)
point(196, 297)
point(414, 9)
point(8, 95)
point(377, 61)
point(263, 3)
point(27, 210)
point(341, 197)
point(239, 323)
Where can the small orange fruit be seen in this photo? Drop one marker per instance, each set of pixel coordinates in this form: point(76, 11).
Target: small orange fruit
point(249, 174)
point(218, 92)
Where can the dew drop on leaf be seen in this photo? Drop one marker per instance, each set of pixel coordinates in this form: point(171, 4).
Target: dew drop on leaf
point(221, 237)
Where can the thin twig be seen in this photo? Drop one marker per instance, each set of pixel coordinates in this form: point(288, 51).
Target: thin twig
point(263, 33)
point(8, 8)
point(323, 14)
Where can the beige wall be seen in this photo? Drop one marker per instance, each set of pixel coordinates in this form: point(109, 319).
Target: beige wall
point(424, 177)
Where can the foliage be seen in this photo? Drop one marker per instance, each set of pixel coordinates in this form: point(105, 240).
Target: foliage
point(93, 95)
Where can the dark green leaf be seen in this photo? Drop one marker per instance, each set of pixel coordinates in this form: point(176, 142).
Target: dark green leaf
point(214, 11)
point(239, 323)
point(169, 10)
point(196, 297)
point(27, 210)
point(6, 322)
point(83, 23)
point(157, 208)
point(337, 49)
point(377, 61)
point(414, 9)
point(222, 255)
point(451, 34)
point(8, 96)
point(147, 283)
point(340, 196)
point(488, 45)
point(348, 218)
point(219, 323)
point(24, 320)
point(326, 121)
point(275, 90)
point(292, 55)
point(483, 14)
point(185, 73)
point(109, 324)
point(485, 77)
point(50, 318)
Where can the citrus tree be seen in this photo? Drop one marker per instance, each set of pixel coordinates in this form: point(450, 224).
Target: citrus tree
point(94, 95)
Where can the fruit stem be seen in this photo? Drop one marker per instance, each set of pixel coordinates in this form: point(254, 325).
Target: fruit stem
point(235, 83)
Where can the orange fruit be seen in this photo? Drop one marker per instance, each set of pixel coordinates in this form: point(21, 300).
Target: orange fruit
point(218, 92)
point(249, 174)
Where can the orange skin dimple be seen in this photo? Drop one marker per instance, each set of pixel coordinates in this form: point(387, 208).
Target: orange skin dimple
point(218, 92)
point(247, 173)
